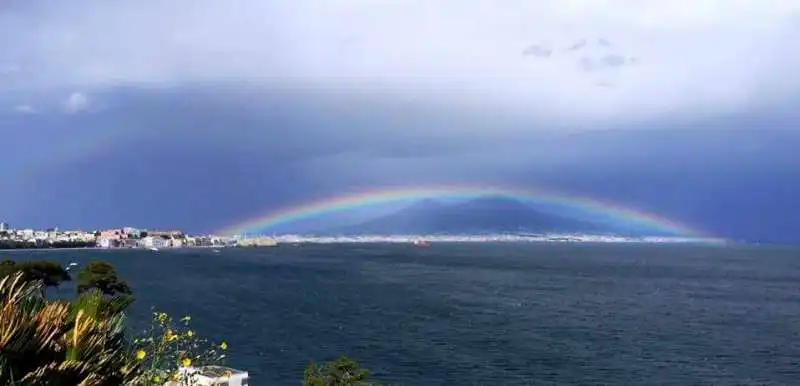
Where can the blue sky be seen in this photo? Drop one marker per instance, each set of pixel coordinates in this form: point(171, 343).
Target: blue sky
point(155, 114)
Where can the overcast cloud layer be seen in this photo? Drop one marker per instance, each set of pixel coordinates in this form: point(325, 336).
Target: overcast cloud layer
point(566, 59)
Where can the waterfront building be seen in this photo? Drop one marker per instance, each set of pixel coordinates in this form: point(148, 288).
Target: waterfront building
point(4, 226)
point(155, 242)
point(177, 243)
point(113, 233)
point(132, 232)
point(169, 234)
point(108, 242)
point(129, 243)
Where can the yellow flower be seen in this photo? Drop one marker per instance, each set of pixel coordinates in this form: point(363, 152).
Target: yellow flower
point(140, 354)
point(156, 379)
point(223, 346)
point(190, 333)
point(162, 317)
point(186, 362)
point(171, 336)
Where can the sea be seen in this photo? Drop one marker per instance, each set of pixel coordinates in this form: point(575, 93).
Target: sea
point(483, 313)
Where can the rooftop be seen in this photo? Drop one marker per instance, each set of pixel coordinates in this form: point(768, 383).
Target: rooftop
point(218, 371)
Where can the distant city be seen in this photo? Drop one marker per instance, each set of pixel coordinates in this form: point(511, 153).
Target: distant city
point(134, 238)
point(126, 237)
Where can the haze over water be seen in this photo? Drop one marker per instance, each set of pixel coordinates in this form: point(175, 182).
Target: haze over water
point(479, 314)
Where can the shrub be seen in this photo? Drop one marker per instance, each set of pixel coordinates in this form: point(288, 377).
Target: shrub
point(57, 342)
point(168, 346)
point(340, 372)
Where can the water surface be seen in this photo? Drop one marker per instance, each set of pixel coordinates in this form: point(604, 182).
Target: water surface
point(486, 314)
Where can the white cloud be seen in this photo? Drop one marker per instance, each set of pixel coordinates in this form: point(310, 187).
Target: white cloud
point(662, 57)
point(76, 103)
point(25, 109)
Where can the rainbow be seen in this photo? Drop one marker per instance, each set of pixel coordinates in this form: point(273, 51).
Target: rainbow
point(338, 204)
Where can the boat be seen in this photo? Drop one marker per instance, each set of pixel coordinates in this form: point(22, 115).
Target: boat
point(421, 243)
point(154, 249)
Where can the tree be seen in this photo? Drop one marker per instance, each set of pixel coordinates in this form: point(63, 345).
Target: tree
point(341, 372)
point(102, 276)
point(50, 273)
point(7, 267)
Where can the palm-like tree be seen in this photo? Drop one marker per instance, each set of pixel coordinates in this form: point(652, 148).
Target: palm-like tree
point(56, 342)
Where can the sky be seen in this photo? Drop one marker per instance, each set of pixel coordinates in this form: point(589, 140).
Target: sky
point(155, 113)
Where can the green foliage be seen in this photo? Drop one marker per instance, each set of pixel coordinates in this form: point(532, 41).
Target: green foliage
point(167, 347)
point(340, 372)
point(116, 304)
point(24, 244)
point(7, 267)
point(102, 276)
point(84, 342)
point(115, 294)
point(50, 273)
point(17, 244)
point(56, 342)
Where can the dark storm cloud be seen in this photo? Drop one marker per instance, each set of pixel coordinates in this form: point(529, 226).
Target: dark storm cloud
point(211, 158)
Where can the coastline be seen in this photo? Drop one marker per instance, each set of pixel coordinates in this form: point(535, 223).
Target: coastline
point(415, 239)
point(45, 249)
point(106, 249)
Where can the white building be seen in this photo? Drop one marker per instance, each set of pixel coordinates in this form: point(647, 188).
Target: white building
point(155, 242)
point(107, 242)
point(214, 375)
point(3, 226)
point(177, 243)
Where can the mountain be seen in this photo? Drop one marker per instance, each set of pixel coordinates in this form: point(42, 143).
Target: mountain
point(478, 216)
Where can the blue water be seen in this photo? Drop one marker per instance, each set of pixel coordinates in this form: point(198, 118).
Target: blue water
point(487, 314)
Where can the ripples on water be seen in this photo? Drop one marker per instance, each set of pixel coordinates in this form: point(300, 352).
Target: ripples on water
point(487, 314)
